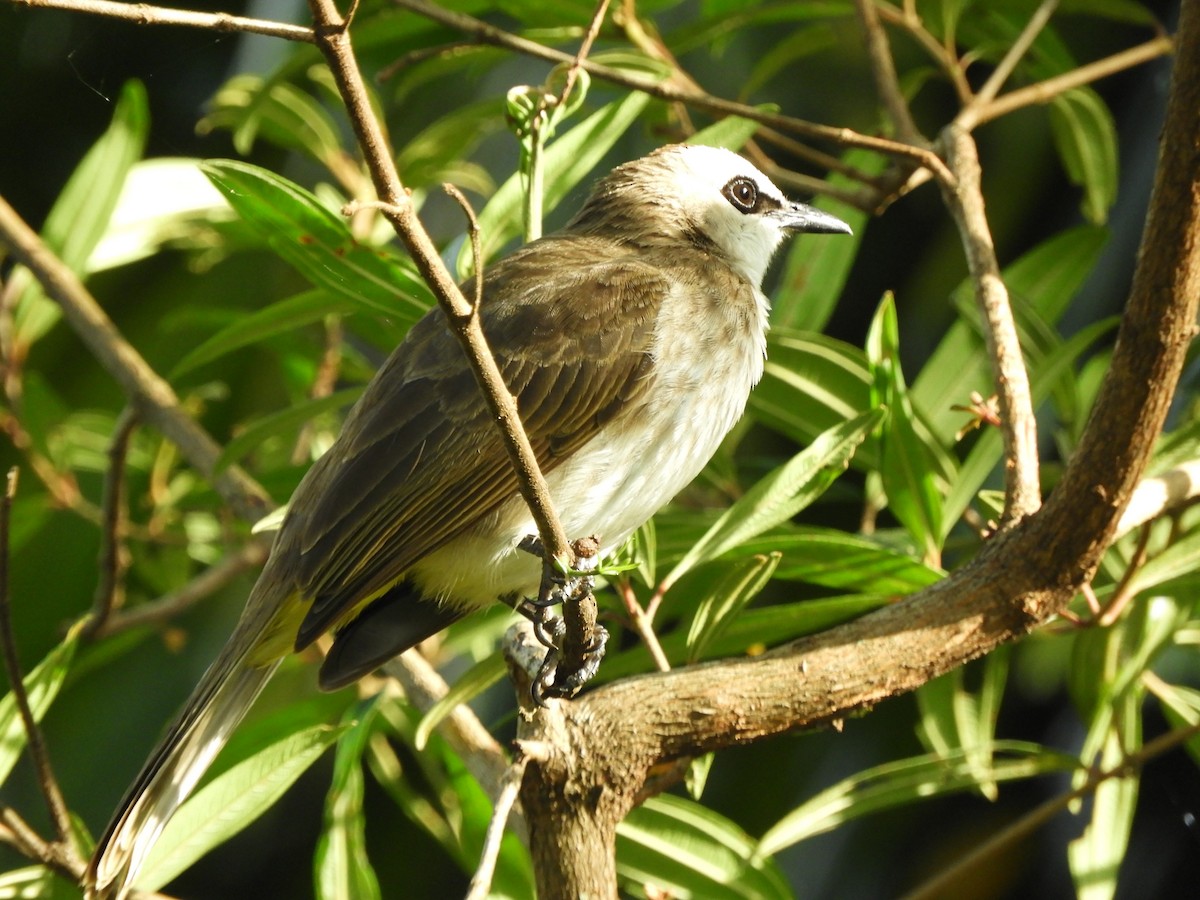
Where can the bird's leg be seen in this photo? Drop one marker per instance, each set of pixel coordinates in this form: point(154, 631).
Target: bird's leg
point(575, 643)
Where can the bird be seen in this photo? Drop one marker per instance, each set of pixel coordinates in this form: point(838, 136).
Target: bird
point(630, 339)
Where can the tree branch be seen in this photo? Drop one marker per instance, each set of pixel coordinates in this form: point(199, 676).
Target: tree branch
point(497, 37)
point(1018, 425)
point(150, 394)
point(333, 39)
point(145, 14)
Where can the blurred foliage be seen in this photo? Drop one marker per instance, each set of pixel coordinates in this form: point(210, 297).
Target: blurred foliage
point(850, 484)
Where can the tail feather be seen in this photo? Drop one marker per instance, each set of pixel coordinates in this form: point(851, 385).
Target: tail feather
point(224, 695)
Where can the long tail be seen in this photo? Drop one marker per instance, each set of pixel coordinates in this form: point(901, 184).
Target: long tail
point(219, 702)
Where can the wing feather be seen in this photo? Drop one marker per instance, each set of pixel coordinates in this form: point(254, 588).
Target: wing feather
point(420, 459)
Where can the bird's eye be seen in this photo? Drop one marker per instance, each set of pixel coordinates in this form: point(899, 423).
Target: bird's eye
point(743, 194)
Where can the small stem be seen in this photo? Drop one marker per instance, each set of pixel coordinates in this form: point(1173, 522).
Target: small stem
point(1039, 19)
point(1045, 91)
point(113, 554)
point(510, 789)
point(12, 666)
point(1123, 594)
point(883, 68)
point(643, 623)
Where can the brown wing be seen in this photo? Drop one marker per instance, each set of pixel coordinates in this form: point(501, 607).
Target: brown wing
point(420, 459)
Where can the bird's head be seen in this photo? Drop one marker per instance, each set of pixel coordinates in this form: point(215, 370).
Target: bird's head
point(704, 196)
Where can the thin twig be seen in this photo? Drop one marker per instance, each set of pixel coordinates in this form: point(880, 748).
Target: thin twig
point(1018, 425)
point(334, 43)
point(1045, 91)
point(1038, 21)
point(910, 21)
point(113, 554)
point(1123, 592)
point(476, 241)
point(145, 14)
point(883, 68)
point(59, 813)
point(643, 623)
point(250, 555)
point(506, 798)
point(147, 391)
point(490, 34)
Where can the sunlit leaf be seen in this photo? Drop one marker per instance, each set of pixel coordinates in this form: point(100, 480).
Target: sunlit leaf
point(230, 802)
point(680, 847)
point(41, 687)
point(904, 782)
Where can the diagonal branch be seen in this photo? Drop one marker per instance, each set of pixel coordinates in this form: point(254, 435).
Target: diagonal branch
point(333, 39)
point(153, 398)
point(965, 201)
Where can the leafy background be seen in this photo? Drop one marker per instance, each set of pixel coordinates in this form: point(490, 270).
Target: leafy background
point(239, 312)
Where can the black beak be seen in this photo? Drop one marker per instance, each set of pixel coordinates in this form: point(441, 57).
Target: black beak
point(802, 217)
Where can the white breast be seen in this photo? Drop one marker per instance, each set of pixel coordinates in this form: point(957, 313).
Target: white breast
point(634, 467)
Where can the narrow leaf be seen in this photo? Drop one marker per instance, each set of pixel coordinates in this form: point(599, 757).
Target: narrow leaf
point(728, 597)
point(286, 421)
point(686, 850)
point(319, 244)
point(342, 868)
point(470, 684)
point(903, 782)
point(230, 802)
point(41, 687)
point(781, 494)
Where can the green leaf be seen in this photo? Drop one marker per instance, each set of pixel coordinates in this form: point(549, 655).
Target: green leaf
point(36, 883)
point(727, 599)
point(565, 163)
point(810, 384)
point(470, 684)
point(248, 105)
point(904, 782)
point(836, 559)
point(1095, 856)
point(816, 266)
point(319, 244)
point(230, 802)
point(41, 687)
point(285, 422)
point(732, 132)
point(81, 214)
point(1086, 138)
point(278, 318)
point(686, 850)
point(342, 868)
point(801, 42)
point(954, 719)
point(781, 494)
point(908, 465)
